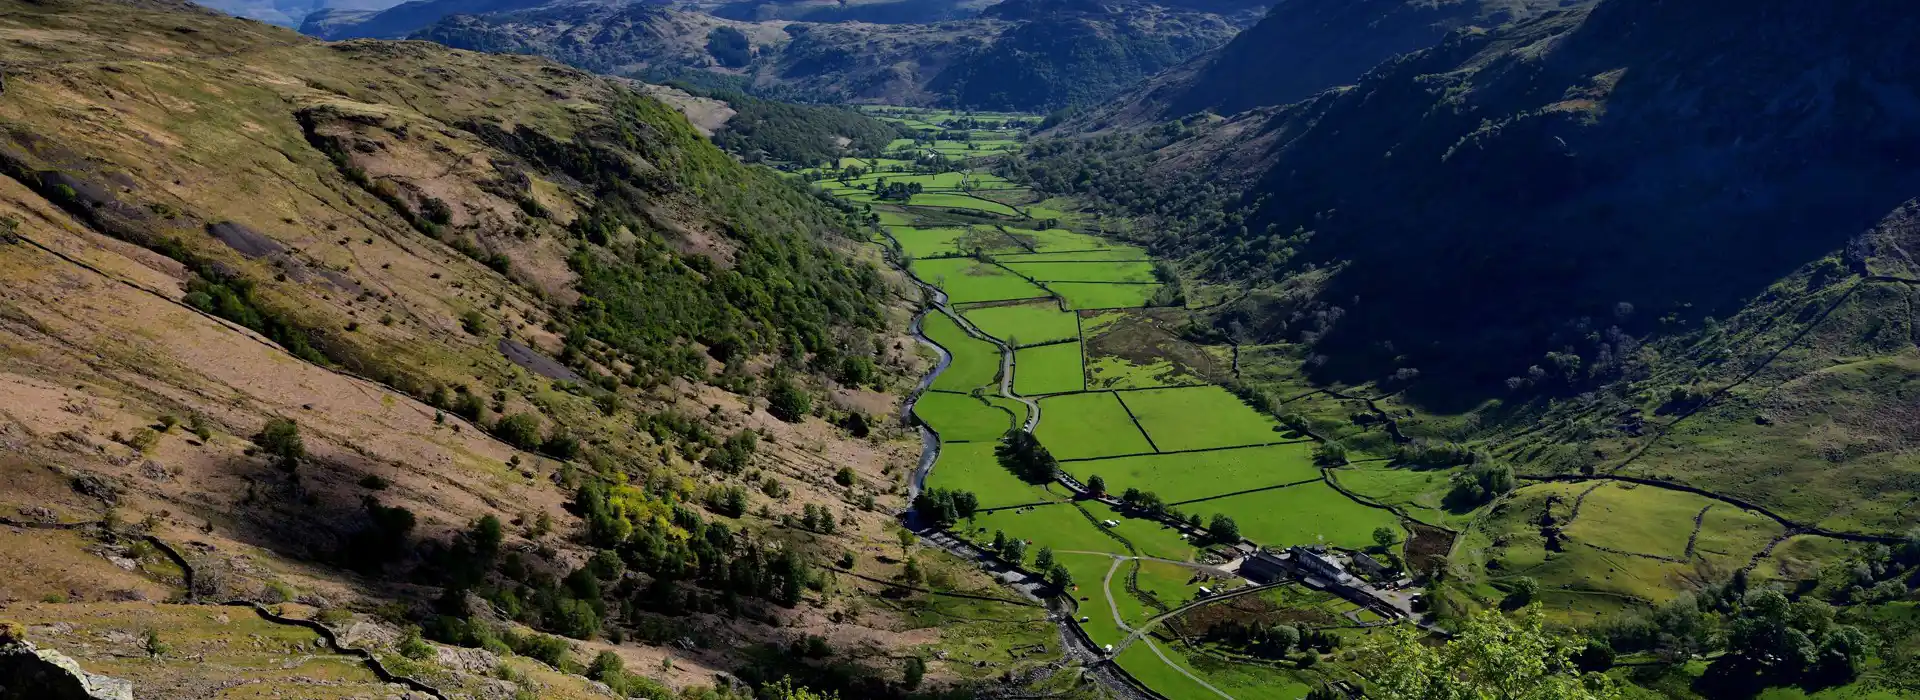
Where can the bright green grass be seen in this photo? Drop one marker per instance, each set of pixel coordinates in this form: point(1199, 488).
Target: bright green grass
point(967, 281)
point(1089, 571)
point(1081, 295)
point(1197, 418)
point(959, 417)
point(1171, 584)
point(1140, 661)
point(1182, 477)
point(1150, 538)
point(1306, 514)
point(1047, 369)
point(1085, 271)
point(1123, 254)
point(949, 240)
point(971, 466)
point(1730, 536)
point(1635, 518)
point(1114, 372)
point(1026, 324)
point(1062, 527)
point(891, 217)
point(947, 200)
point(1079, 426)
point(976, 363)
point(1055, 240)
point(1249, 681)
point(1419, 492)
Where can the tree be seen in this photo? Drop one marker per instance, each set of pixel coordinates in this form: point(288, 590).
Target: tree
point(1283, 638)
point(784, 689)
point(1022, 453)
point(1015, 551)
point(906, 538)
point(281, 439)
point(1060, 577)
point(1525, 589)
point(1096, 485)
point(520, 430)
point(1332, 453)
point(1043, 560)
point(788, 402)
point(606, 665)
point(1223, 529)
point(1493, 656)
point(1385, 537)
point(916, 670)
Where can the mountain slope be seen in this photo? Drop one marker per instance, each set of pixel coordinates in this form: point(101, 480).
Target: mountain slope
point(390, 327)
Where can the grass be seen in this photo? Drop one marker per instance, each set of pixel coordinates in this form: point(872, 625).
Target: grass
point(1118, 254)
point(1305, 514)
point(947, 200)
point(1171, 584)
point(1149, 537)
point(967, 281)
point(1419, 492)
point(1026, 324)
point(1637, 518)
point(1062, 527)
point(942, 241)
point(1056, 240)
point(1199, 418)
point(959, 417)
point(971, 466)
point(976, 363)
point(1112, 271)
point(1730, 536)
point(1140, 661)
point(1095, 295)
point(1089, 571)
point(1018, 409)
point(1048, 369)
point(1181, 477)
point(1079, 426)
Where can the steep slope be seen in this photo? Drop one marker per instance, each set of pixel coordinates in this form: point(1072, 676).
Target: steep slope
point(291, 13)
point(391, 327)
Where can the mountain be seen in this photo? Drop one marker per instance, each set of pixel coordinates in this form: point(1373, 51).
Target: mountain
point(1023, 54)
point(291, 13)
point(489, 365)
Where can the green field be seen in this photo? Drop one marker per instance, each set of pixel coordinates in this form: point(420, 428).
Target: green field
point(976, 363)
point(948, 200)
point(1097, 295)
point(1089, 571)
point(971, 466)
point(1017, 409)
point(1640, 519)
point(1047, 369)
point(1139, 660)
point(1026, 324)
point(891, 218)
point(1181, 477)
point(1420, 492)
point(1150, 538)
point(1116, 271)
point(1055, 240)
point(1305, 514)
point(959, 417)
point(1079, 426)
point(1121, 254)
point(968, 281)
point(948, 240)
point(1062, 527)
point(1198, 418)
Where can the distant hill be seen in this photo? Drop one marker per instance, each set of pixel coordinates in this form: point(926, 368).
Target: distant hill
point(291, 13)
point(1020, 55)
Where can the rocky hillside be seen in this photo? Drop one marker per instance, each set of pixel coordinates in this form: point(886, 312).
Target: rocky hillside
point(387, 334)
point(1026, 54)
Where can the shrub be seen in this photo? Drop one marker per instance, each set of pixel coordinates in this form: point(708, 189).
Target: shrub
point(521, 430)
point(280, 438)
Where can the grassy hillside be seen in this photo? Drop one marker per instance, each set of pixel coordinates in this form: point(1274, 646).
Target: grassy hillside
point(421, 337)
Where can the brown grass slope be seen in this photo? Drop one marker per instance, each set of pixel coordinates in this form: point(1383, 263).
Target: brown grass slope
point(139, 135)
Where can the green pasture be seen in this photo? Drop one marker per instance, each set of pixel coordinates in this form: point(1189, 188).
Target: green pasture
point(1635, 518)
point(1079, 426)
point(1047, 369)
point(1089, 572)
point(976, 363)
point(1171, 584)
point(1420, 492)
point(968, 281)
point(959, 417)
point(1025, 324)
point(1311, 513)
point(1097, 295)
point(933, 242)
point(1140, 661)
point(1195, 418)
point(1056, 240)
point(1730, 536)
point(971, 466)
point(1183, 477)
point(1062, 527)
point(1119, 254)
point(1017, 409)
point(1114, 271)
point(1150, 538)
point(893, 217)
point(949, 200)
